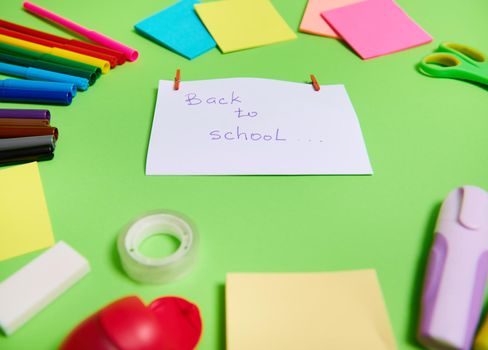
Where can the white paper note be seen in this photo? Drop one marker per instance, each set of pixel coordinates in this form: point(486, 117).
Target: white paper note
point(250, 126)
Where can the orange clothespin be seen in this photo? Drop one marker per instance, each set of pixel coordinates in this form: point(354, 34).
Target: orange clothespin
point(315, 84)
point(177, 80)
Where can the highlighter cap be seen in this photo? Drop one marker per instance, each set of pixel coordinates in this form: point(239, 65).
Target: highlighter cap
point(466, 206)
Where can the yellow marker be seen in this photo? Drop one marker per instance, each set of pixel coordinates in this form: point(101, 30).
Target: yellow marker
point(102, 64)
point(481, 342)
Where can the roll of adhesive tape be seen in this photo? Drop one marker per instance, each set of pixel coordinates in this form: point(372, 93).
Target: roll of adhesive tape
point(157, 270)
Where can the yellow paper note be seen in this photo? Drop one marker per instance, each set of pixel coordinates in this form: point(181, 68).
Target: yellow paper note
point(24, 219)
point(242, 24)
point(289, 311)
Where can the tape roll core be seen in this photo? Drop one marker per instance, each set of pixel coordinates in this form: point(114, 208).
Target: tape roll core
point(157, 270)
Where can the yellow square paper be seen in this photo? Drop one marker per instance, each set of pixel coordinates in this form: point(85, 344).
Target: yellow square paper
point(242, 24)
point(24, 219)
point(290, 311)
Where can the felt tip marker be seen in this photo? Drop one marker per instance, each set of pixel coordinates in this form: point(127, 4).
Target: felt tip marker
point(102, 64)
point(41, 74)
point(16, 131)
point(25, 113)
point(35, 63)
point(130, 54)
point(69, 43)
point(39, 85)
point(45, 57)
point(23, 122)
point(22, 36)
point(27, 142)
point(35, 96)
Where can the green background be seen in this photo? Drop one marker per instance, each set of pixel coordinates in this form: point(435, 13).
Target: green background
point(424, 137)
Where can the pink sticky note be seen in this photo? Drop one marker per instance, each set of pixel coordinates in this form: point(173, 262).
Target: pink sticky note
point(376, 27)
point(313, 23)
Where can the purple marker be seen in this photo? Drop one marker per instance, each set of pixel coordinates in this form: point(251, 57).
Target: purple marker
point(25, 113)
point(456, 275)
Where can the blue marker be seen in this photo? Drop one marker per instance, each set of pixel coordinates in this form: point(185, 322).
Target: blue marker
point(35, 96)
point(41, 74)
point(39, 85)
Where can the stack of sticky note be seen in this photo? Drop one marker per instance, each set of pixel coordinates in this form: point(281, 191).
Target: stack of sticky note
point(371, 28)
point(24, 218)
point(55, 67)
point(26, 135)
point(324, 310)
point(191, 28)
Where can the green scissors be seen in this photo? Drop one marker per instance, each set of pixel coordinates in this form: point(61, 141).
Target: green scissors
point(456, 61)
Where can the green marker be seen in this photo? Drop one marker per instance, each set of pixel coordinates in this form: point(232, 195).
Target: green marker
point(55, 67)
point(11, 49)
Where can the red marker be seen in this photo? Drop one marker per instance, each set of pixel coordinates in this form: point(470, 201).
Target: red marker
point(68, 44)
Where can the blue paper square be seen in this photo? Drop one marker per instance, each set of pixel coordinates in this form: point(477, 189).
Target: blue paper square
point(179, 29)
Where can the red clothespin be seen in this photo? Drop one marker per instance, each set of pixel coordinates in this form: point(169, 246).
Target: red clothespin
point(177, 80)
point(315, 84)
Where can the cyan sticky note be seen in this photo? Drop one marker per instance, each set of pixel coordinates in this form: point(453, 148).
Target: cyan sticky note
point(179, 29)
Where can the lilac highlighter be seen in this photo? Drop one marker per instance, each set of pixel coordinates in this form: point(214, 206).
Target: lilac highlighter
point(456, 274)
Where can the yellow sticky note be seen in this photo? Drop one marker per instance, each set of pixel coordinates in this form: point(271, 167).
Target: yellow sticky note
point(289, 311)
point(242, 24)
point(24, 219)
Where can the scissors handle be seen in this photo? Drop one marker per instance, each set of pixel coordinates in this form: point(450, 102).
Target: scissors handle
point(447, 65)
point(465, 53)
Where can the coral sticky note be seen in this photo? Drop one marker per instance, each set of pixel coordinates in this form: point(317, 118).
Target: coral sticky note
point(312, 21)
point(376, 27)
point(242, 24)
point(289, 311)
point(179, 29)
point(24, 219)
